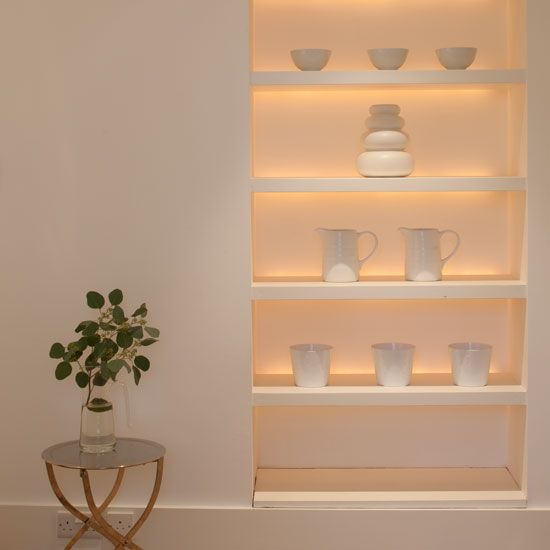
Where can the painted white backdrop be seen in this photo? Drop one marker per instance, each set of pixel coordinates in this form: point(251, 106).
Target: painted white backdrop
point(124, 162)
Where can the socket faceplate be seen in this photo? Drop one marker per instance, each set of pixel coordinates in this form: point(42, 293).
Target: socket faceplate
point(68, 526)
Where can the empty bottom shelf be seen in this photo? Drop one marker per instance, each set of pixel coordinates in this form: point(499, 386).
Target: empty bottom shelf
point(387, 488)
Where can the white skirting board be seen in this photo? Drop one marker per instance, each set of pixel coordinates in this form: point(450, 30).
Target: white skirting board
point(218, 528)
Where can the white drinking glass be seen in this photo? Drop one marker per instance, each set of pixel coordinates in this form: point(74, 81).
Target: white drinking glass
point(470, 362)
point(393, 363)
point(310, 364)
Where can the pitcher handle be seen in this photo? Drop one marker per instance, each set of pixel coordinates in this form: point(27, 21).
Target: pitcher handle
point(441, 233)
point(363, 260)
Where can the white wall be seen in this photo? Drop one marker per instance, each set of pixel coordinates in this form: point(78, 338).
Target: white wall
point(124, 163)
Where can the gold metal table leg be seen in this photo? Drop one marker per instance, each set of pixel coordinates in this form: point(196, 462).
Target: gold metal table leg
point(96, 521)
point(150, 504)
point(88, 522)
point(107, 530)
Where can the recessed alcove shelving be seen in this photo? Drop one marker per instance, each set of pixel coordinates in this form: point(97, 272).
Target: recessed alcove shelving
point(354, 444)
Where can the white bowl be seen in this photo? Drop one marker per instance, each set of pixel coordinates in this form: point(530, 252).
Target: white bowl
point(456, 58)
point(310, 59)
point(384, 122)
point(388, 59)
point(385, 140)
point(385, 164)
point(384, 109)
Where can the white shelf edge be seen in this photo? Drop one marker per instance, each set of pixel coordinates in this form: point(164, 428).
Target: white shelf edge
point(388, 488)
point(376, 395)
point(391, 499)
point(382, 290)
point(408, 184)
point(343, 78)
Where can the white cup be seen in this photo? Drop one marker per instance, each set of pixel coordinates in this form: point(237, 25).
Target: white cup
point(310, 364)
point(470, 362)
point(310, 59)
point(393, 363)
point(388, 59)
point(456, 58)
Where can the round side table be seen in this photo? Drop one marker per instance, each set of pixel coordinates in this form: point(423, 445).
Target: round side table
point(126, 454)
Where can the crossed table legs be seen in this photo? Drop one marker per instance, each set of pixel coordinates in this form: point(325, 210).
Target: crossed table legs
point(96, 521)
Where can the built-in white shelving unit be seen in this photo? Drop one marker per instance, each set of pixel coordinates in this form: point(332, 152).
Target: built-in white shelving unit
point(467, 133)
point(385, 78)
point(387, 488)
point(399, 185)
point(386, 290)
point(355, 390)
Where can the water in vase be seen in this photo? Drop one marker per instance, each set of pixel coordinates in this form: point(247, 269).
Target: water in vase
point(97, 427)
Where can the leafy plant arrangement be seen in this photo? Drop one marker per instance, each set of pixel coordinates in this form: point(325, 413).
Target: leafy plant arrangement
point(111, 342)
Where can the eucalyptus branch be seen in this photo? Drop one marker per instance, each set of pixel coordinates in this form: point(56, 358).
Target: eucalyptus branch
point(111, 342)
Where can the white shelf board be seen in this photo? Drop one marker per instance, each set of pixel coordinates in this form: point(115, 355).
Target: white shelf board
point(361, 389)
point(375, 77)
point(387, 488)
point(299, 288)
point(308, 185)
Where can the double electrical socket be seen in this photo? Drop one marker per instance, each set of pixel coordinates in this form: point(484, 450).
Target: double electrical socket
point(68, 525)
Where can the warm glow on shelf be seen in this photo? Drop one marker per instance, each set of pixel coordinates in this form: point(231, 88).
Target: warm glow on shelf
point(490, 225)
point(289, 93)
point(352, 326)
point(453, 131)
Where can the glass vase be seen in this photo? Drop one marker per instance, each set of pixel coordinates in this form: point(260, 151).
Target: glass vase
point(97, 425)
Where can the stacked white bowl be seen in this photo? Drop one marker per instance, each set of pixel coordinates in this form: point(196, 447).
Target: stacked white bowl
point(385, 144)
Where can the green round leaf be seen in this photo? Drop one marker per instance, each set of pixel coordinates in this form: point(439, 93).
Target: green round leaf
point(142, 310)
point(57, 351)
point(90, 329)
point(115, 297)
point(104, 371)
point(83, 343)
point(72, 355)
point(95, 300)
point(91, 360)
point(63, 370)
point(82, 326)
point(137, 375)
point(99, 380)
point(154, 332)
point(142, 363)
point(118, 315)
point(93, 340)
point(98, 405)
point(115, 365)
point(108, 349)
point(137, 332)
point(124, 339)
point(81, 379)
point(148, 341)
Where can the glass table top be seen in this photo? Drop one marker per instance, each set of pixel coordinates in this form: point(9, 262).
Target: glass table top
point(127, 452)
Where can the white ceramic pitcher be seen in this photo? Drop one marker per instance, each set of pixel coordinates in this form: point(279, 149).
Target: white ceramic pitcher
point(341, 262)
point(423, 261)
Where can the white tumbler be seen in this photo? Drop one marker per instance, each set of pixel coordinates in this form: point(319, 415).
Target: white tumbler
point(310, 364)
point(470, 362)
point(393, 363)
